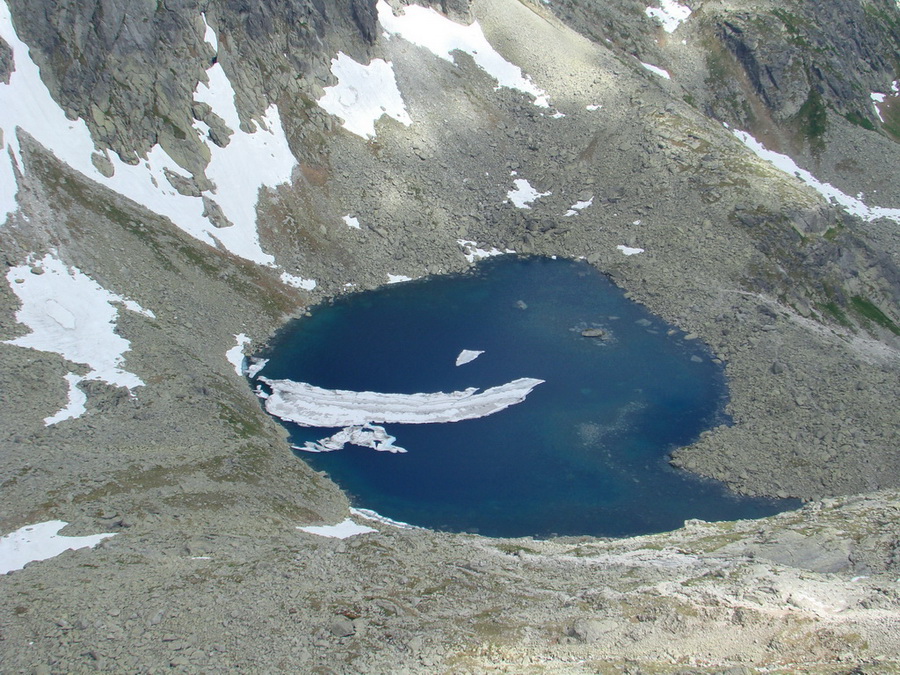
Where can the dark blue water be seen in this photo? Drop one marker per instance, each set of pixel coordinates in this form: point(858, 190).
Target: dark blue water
point(585, 453)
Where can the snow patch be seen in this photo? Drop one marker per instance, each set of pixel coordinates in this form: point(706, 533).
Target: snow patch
point(398, 278)
point(670, 13)
point(576, 207)
point(426, 28)
point(592, 107)
point(70, 314)
point(363, 94)
point(311, 406)
point(467, 356)
point(351, 222)
point(472, 251)
point(876, 99)
point(26, 103)
point(628, 250)
point(522, 195)
point(235, 355)
point(40, 542)
point(298, 282)
point(656, 70)
point(75, 407)
point(851, 204)
point(343, 530)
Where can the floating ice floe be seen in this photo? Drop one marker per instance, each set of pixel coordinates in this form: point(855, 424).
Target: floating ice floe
point(628, 250)
point(522, 195)
point(235, 355)
point(467, 356)
point(363, 94)
point(343, 530)
point(656, 70)
point(298, 282)
point(255, 367)
point(472, 251)
point(40, 542)
point(70, 314)
point(251, 160)
point(350, 221)
point(852, 205)
point(364, 436)
point(578, 206)
point(670, 13)
point(310, 406)
point(427, 28)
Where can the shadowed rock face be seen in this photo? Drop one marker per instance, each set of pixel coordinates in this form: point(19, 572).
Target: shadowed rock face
point(6, 61)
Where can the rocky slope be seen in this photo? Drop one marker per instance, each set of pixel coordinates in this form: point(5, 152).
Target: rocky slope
point(798, 297)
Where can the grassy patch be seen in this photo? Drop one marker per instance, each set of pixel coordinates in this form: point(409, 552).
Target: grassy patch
point(832, 309)
point(868, 310)
point(812, 118)
point(860, 121)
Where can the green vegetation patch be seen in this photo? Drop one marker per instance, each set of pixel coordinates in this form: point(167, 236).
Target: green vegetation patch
point(812, 118)
point(868, 310)
point(860, 121)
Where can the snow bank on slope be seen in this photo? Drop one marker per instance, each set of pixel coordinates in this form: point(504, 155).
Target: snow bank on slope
point(427, 28)
point(40, 542)
point(75, 408)
point(656, 70)
point(670, 13)
point(235, 355)
point(250, 161)
point(472, 251)
point(70, 314)
point(343, 530)
point(311, 406)
point(363, 94)
point(851, 204)
point(522, 195)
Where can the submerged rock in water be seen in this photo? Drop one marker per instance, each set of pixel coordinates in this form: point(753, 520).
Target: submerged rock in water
point(593, 333)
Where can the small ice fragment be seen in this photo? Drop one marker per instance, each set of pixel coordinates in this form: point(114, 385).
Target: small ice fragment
point(351, 222)
point(467, 356)
point(592, 107)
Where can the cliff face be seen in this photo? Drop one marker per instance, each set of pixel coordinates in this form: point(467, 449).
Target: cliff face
point(203, 170)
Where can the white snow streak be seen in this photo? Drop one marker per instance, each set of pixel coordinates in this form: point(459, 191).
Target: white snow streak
point(311, 406)
point(363, 94)
point(829, 192)
point(70, 314)
point(40, 541)
point(670, 13)
point(522, 195)
point(427, 28)
point(75, 407)
point(235, 355)
point(656, 70)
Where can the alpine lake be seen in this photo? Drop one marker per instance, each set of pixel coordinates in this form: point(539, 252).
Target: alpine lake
point(584, 453)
